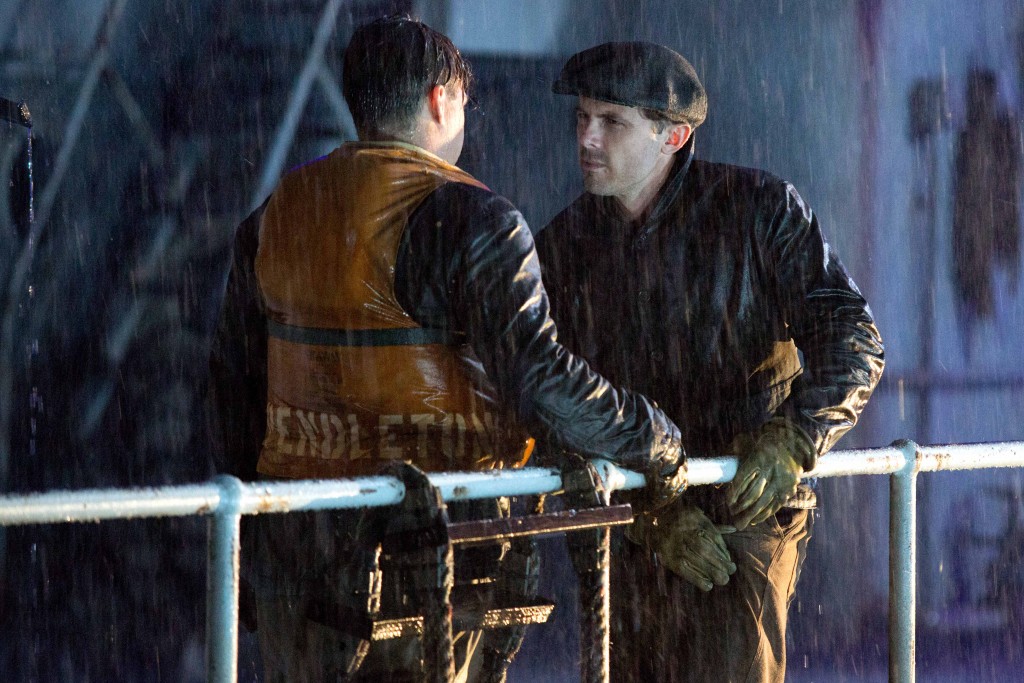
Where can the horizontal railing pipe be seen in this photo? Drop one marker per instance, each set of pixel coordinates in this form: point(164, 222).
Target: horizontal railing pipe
point(226, 499)
point(867, 461)
point(970, 456)
point(93, 505)
point(90, 505)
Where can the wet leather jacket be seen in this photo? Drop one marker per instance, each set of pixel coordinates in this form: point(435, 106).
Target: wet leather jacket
point(466, 266)
point(725, 305)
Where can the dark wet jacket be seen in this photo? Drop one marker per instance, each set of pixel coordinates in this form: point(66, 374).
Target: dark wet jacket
point(704, 306)
point(465, 266)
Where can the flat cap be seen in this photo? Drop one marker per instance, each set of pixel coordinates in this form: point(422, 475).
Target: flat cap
point(636, 74)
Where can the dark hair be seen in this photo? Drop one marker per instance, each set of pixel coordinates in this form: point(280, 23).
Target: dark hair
point(661, 121)
point(390, 65)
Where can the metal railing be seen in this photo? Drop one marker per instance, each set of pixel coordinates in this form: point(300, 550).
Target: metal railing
point(226, 499)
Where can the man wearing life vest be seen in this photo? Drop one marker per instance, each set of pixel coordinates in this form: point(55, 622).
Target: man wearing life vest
point(384, 305)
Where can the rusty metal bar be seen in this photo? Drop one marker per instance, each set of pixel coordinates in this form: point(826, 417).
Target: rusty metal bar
point(563, 521)
point(497, 617)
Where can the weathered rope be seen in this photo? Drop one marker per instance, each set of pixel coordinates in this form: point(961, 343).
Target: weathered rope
point(590, 553)
point(417, 540)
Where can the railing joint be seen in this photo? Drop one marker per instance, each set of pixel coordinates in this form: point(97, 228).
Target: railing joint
point(231, 491)
point(912, 454)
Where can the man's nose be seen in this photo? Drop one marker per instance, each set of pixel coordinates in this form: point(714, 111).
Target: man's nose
point(588, 135)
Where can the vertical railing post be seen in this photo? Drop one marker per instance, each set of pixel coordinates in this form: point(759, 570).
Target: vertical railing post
point(222, 583)
point(903, 565)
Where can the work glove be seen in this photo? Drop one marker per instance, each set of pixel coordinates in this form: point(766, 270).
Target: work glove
point(770, 464)
point(666, 481)
point(687, 543)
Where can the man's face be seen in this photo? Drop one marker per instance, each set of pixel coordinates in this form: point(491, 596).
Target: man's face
point(455, 123)
point(620, 153)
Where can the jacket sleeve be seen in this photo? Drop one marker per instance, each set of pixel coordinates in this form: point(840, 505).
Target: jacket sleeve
point(236, 394)
point(829, 320)
point(492, 291)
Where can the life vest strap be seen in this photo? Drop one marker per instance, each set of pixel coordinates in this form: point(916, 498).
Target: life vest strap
point(398, 336)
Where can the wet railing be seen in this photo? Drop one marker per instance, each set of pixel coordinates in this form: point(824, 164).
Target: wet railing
point(226, 499)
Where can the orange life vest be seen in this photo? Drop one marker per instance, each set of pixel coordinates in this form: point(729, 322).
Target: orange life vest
point(353, 380)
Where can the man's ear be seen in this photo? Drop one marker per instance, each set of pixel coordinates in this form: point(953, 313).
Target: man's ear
point(677, 137)
point(437, 98)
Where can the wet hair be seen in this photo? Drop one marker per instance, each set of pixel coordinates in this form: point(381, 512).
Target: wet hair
point(661, 121)
point(390, 65)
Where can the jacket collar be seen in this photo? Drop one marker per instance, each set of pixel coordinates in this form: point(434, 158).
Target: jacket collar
point(670, 190)
point(357, 145)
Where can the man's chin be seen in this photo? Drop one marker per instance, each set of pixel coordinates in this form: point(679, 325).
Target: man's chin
point(599, 188)
point(595, 186)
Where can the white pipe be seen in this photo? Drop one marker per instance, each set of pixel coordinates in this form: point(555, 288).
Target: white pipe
point(279, 496)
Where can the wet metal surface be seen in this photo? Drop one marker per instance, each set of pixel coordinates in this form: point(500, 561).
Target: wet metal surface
point(227, 498)
point(265, 497)
point(499, 617)
point(490, 530)
point(903, 567)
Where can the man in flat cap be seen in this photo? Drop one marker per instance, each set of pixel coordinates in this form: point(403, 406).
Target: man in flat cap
point(711, 289)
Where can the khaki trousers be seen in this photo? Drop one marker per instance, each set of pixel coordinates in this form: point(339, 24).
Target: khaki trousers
point(664, 629)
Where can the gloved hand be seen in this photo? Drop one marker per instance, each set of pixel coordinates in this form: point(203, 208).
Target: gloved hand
point(770, 464)
point(688, 543)
point(666, 481)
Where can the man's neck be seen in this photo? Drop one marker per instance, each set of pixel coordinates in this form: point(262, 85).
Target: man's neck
point(638, 206)
point(407, 142)
point(412, 136)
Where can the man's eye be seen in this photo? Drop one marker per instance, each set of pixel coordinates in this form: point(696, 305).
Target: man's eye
point(614, 122)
